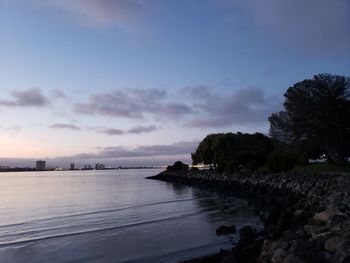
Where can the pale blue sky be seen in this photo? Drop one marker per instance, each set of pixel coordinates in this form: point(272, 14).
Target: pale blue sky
point(78, 76)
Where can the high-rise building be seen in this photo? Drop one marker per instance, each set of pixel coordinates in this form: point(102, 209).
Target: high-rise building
point(72, 166)
point(40, 165)
point(100, 166)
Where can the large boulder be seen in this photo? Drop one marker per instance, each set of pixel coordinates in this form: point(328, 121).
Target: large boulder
point(325, 216)
point(225, 230)
point(334, 243)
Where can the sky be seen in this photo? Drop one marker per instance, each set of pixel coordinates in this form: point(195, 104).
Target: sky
point(141, 82)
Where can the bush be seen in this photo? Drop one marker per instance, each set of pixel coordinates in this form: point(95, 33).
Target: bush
point(281, 161)
point(238, 149)
point(178, 166)
point(231, 167)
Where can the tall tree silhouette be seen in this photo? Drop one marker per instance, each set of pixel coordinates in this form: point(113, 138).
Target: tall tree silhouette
point(317, 110)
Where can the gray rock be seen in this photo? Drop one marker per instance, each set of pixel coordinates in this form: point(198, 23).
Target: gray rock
point(315, 230)
point(325, 216)
point(279, 255)
point(225, 230)
point(291, 258)
point(334, 243)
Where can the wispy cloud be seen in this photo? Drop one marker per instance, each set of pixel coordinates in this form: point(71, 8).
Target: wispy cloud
point(101, 13)
point(11, 129)
point(32, 97)
point(204, 107)
point(179, 148)
point(245, 106)
point(135, 130)
point(104, 130)
point(143, 129)
point(110, 131)
point(134, 104)
point(58, 94)
point(312, 24)
point(65, 126)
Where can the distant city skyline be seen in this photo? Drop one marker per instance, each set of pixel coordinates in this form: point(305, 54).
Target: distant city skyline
point(142, 82)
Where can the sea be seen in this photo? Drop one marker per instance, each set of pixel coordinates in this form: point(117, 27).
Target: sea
point(112, 216)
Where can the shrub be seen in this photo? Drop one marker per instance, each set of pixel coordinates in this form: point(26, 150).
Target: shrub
point(239, 148)
point(231, 167)
point(178, 166)
point(281, 161)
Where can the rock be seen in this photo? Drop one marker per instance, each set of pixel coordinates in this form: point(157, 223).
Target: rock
point(346, 259)
point(325, 216)
point(306, 215)
point(279, 255)
point(248, 251)
point(246, 232)
point(298, 212)
point(221, 257)
point(291, 258)
point(334, 243)
point(315, 230)
point(308, 251)
point(225, 230)
point(267, 250)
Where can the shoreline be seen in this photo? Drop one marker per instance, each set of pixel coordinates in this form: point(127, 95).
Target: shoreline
point(306, 216)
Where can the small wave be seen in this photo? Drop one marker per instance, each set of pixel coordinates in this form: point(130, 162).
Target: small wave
point(182, 254)
point(98, 230)
point(100, 212)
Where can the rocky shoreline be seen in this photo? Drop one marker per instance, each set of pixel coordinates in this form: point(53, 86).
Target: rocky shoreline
point(306, 215)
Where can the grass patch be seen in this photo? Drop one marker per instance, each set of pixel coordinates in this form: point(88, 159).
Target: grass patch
point(323, 167)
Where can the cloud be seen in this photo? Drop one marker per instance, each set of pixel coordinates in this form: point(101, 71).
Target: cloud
point(12, 129)
point(101, 13)
point(143, 129)
point(245, 106)
point(312, 24)
point(26, 98)
point(65, 126)
point(109, 131)
point(133, 104)
point(58, 94)
point(204, 107)
point(135, 130)
point(179, 148)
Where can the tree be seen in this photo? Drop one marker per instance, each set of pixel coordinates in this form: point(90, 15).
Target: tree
point(178, 166)
point(205, 151)
point(317, 111)
point(232, 151)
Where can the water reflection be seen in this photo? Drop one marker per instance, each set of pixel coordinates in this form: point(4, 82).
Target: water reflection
point(178, 189)
point(225, 207)
point(108, 216)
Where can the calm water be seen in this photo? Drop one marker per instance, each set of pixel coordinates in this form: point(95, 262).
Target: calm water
point(110, 216)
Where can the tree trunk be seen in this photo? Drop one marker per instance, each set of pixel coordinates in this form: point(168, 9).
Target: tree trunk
point(335, 154)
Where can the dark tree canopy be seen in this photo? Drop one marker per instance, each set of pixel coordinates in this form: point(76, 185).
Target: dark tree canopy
point(317, 111)
point(231, 151)
point(178, 166)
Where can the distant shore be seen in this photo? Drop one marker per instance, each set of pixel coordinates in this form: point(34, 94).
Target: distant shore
point(28, 169)
point(306, 215)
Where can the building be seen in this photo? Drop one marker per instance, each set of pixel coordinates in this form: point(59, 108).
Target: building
point(72, 166)
point(100, 166)
point(87, 167)
point(40, 165)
